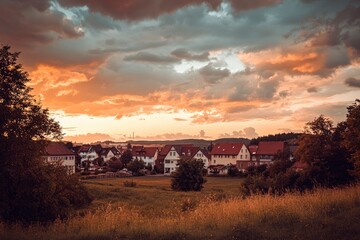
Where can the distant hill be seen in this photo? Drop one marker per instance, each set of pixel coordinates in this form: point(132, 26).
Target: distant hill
point(196, 142)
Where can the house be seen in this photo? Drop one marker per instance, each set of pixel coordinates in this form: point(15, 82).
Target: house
point(109, 153)
point(175, 153)
point(231, 153)
point(58, 152)
point(89, 153)
point(203, 155)
point(267, 151)
point(253, 150)
point(147, 154)
point(159, 162)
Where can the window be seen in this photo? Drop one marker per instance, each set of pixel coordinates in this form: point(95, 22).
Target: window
point(241, 150)
point(240, 156)
point(167, 161)
point(214, 161)
point(245, 155)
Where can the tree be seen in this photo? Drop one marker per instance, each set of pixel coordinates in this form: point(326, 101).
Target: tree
point(351, 135)
point(188, 176)
point(126, 157)
point(31, 189)
point(319, 147)
point(135, 166)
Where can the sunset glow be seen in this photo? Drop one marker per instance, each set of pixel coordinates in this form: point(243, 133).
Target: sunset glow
point(168, 69)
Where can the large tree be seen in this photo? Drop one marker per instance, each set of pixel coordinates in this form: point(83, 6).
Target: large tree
point(351, 136)
point(31, 189)
point(320, 147)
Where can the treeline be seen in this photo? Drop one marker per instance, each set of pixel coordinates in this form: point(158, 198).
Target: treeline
point(330, 153)
point(275, 137)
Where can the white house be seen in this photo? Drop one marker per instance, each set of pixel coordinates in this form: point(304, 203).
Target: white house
point(204, 156)
point(186, 152)
point(109, 153)
point(89, 152)
point(147, 154)
point(231, 153)
point(58, 152)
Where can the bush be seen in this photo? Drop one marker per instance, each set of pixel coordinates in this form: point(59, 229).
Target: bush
point(135, 166)
point(130, 184)
point(188, 176)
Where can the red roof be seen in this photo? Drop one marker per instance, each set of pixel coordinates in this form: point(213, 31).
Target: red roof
point(227, 148)
point(57, 149)
point(270, 148)
point(253, 149)
point(150, 151)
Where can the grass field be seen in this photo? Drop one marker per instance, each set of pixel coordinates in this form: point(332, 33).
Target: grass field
point(151, 210)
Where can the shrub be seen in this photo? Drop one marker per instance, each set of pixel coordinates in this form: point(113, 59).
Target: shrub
point(188, 176)
point(129, 184)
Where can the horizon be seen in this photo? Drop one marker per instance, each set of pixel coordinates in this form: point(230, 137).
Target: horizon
point(186, 69)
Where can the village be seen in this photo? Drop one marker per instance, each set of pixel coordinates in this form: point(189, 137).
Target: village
point(109, 160)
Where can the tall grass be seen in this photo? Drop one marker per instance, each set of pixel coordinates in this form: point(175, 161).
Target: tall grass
point(322, 214)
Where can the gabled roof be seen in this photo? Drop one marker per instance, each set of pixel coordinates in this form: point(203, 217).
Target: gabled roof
point(253, 149)
point(205, 152)
point(226, 148)
point(150, 151)
point(84, 148)
point(57, 149)
point(270, 148)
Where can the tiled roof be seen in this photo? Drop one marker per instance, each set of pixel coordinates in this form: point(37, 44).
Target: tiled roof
point(57, 149)
point(205, 152)
point(150, 151)
point(226, 148)
point(270, 148)
point(253, 149)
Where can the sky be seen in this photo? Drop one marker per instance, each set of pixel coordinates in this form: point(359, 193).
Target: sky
point(170, 69)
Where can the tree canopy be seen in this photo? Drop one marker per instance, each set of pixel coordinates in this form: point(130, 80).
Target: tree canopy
point(31, 189)
point(188, 176)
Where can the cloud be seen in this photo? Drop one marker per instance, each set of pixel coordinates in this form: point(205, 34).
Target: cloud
point(182, 53)
point(89, 138)
point(248, 132)
point(312, 90)
point(212, 74)
point(180, 119)
point(143, 9)
point(174, 136)
point(33, 23)
point(353, 82)
point(336, 111)
point(151, 58)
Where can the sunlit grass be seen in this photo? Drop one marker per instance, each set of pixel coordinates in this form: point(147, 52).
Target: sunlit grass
point(156, 212)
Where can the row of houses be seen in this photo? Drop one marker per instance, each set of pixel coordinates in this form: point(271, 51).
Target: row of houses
point(217, 158)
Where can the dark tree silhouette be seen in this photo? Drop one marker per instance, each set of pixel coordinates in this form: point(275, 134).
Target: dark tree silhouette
point(188, 176)
point(31, 189)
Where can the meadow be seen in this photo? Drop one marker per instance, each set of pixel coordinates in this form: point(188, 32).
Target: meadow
point(151, 210)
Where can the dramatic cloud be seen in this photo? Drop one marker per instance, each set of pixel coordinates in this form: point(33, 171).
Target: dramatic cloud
point(151, 58)
point(353, 82)
point(212, 74)
point(204, 64)
point(29, 23)
point(143, 9)
point(186, 55)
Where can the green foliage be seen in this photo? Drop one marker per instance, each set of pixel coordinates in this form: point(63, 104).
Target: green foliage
point(188, 176)
point(31, 190)
point(135, 166)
